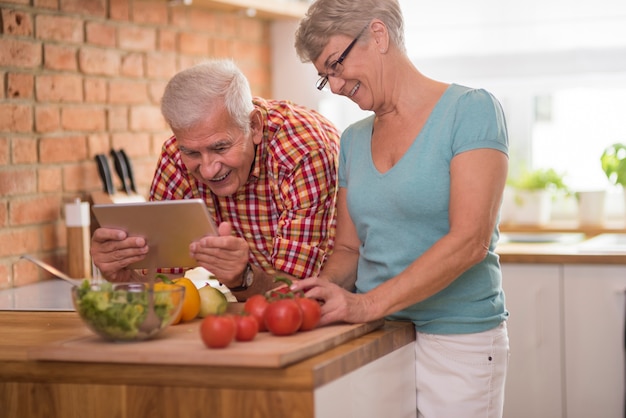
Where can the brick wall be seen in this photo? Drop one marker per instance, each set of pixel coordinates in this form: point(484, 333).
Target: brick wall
point(79, 77)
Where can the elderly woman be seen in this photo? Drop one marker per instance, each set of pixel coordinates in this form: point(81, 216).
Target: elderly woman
point(421, 182)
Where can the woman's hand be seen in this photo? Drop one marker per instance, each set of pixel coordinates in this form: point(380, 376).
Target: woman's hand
point(338, 304)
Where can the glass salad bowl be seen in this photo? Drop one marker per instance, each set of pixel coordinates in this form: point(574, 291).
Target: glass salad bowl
point(122, 311)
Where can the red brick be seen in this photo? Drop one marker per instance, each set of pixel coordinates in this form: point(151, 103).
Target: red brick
point(179, 16)
point(4, 150)
point(98, 144)
point(47, 118)
point(227, 25)
point(87, 7)
point(156, 90)
point(59, 28)
point(252, 29)
point(59, 88)
point(100, 34)
point(119, 9)
point(149, 12)
point(167, 40)
point(4, 214)
point(16, 118)
point(135, 38)
point(59, 57)
point(20, 86)
point(146, 118)
point(134, 144)
point(16, 22)
point(34, 210)
point(193, 43)
point(17, 53)
point(25, 272)
point(96, 90)
point(17, 241)
point(127, 92)
point(46, 4)
point(2, 85)
point(83, 118)
point(160, 65)
point(118, 118)
point(132, 65)
point(97, 61)
point(204, 21)
point(81, 177)
point(24, 151)
point(53, 237)
point(49, 179)
point(223, 48)
point(17, 182)
point(56, 149)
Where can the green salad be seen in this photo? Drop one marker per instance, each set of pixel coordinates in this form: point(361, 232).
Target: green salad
point(117, 311)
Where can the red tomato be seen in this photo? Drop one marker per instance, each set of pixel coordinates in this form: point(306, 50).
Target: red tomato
point(255, 306)
point(247, 327)
point(217, 331)
point(311, 313)
point(283, 317)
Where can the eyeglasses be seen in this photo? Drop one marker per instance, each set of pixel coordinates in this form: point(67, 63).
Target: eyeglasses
point(335, 68)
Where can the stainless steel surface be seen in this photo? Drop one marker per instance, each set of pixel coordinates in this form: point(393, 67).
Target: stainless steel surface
point(49, 295)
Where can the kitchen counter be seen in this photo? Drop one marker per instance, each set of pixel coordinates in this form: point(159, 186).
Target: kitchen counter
point(309, 388)
point(550, 247)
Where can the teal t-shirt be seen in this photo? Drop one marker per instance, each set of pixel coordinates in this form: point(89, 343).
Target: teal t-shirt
point(403, 212)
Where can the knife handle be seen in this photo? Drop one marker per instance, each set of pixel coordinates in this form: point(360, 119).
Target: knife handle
point(105, 173)
point(129, 169)
point(121, 170)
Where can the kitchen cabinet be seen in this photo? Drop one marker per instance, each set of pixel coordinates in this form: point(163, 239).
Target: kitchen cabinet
point(594, 316)
point(566, 331)
point(534, 386)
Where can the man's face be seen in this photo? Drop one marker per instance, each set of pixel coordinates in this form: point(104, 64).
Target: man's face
point(217, 153)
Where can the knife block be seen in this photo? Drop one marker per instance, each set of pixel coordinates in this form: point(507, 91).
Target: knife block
point(77, 222)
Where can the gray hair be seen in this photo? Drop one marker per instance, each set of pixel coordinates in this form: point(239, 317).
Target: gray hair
point(192, 93)
point(327, 18)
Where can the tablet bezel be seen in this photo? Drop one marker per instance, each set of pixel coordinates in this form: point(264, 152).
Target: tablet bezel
point(168, 226)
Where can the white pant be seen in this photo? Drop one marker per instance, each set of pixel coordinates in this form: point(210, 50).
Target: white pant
point(461, 375)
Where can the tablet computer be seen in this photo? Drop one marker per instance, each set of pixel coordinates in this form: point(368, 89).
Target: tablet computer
point(168, 226)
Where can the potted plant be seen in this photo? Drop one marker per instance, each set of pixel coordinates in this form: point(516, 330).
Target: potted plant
point(533, 191)
point(613, 161)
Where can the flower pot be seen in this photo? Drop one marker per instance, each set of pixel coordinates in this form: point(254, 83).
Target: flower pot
point(531, 207)
point(591, 207)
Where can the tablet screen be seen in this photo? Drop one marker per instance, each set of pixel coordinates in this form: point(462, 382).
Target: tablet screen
point(169, 226)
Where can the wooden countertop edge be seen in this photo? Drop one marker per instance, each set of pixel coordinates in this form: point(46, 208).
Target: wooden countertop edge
point(310, 373)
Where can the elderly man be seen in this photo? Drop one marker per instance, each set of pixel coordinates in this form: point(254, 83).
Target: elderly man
point(266, 169)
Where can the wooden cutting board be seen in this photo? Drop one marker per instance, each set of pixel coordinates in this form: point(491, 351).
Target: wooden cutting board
point(181, 345)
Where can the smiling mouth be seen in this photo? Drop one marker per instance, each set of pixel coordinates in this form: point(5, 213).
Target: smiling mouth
point(354, 89)
point(221, 178)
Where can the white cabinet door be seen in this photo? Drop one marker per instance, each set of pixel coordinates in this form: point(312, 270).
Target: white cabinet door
point(534, 380)
point(594, 340)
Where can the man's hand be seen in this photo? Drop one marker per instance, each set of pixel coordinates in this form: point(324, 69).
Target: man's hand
point(113, 251)
point(226, 255)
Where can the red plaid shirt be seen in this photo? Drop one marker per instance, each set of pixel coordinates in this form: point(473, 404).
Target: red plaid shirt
point(286, 210)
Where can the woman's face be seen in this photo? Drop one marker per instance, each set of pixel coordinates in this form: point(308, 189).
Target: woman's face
point(217, 153)
point(344, 63)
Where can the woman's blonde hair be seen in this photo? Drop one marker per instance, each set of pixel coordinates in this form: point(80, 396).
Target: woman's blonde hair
point(192, 93)
point(327, 18)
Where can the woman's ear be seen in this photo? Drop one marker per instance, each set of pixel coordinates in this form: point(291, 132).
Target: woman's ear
point(380, 35)
point(256, 126)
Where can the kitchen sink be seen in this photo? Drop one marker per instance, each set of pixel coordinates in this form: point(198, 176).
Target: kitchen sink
point(542, 237)
point(604, 243)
